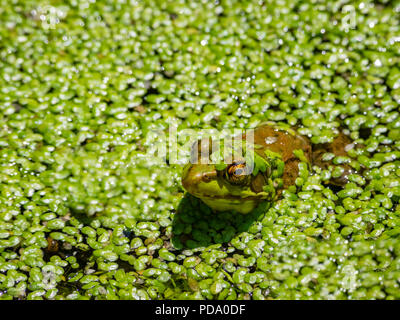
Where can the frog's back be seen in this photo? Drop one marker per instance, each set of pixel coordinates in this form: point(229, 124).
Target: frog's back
point(283, 142)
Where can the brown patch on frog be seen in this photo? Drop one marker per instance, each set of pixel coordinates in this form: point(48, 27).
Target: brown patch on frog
point(338, 148)
point(257, 183)
point(291, 172)
point(283, 143)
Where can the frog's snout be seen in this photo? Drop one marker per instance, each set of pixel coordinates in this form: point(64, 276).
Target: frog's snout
point(193, 175)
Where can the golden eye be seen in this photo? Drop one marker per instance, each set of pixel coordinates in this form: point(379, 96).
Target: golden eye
point(237, 174)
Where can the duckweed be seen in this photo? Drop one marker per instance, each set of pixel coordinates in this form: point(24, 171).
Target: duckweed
point(85, 214)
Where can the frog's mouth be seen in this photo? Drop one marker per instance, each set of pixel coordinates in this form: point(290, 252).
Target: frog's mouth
point(227, 197)
point(242, 205)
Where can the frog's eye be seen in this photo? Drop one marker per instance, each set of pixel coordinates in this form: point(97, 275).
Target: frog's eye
point(237, 174)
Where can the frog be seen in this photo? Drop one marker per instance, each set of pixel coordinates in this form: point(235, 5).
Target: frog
point(237, 187)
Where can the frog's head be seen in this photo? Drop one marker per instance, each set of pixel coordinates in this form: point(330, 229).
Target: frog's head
point(230, 187)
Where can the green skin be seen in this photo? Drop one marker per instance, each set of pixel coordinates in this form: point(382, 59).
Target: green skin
point(223, 190)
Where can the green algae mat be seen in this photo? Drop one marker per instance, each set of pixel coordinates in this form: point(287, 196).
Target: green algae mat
point(86, 87)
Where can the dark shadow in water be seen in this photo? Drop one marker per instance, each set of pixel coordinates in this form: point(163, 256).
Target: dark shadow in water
point(196, 225)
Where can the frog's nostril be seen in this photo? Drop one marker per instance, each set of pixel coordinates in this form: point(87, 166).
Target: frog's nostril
point(208, 176)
